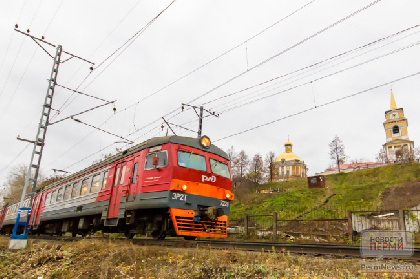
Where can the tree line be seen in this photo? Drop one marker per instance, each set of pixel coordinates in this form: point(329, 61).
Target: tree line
point(256, 168)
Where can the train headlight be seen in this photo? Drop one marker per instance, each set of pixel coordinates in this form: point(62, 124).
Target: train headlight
point(229, 196)
point(205, 141)
point(184, 187)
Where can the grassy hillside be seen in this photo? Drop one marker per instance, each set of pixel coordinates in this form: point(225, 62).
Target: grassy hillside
point(361, 189)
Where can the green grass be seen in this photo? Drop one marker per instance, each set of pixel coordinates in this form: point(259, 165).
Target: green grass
point(356, 190)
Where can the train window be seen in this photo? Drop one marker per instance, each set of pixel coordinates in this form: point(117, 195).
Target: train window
point(105, 180)
point(117, 176)
point(219, 168)
point(133, 180)
point(54, 196)
point(48, 200)
point(74, 191)
point(60, 194)
point(84, 187)
point(163, 160)
point(123, 171)
point(95, 183)
point(67, 192)
point(191, 161)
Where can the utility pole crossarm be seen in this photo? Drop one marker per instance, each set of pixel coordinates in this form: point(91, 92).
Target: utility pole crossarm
point(200, 116)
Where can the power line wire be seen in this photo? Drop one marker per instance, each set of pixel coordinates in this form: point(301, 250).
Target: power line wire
point(126, 45)
point(319, 106)
point(288, 49)
point(99, 129)
point(341, 55)
point(226, 108)
point(320, 78)
point(265, 61)
point(18, 85)
point(11, 69)
point(280, 53)
point(53, 17)
point(14, 159)
point(218, 57)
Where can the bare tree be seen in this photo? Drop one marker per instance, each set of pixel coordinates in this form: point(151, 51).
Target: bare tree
point(256, 169)
point(233, 159)
point(241, 163)
point(269, 162)
point(337, 152)
point(381, 157)
point(405, 155)
point(15, 181)
point(417, 153)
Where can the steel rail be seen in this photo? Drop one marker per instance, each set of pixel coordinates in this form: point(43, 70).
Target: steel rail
point(340, 251)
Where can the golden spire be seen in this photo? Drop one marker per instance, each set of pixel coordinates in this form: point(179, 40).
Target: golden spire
point(393, 104)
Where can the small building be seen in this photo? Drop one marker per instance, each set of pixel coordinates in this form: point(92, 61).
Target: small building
point(317, 181)
point(288, 165)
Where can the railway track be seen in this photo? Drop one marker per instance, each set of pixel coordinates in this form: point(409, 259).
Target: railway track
point(339, 251)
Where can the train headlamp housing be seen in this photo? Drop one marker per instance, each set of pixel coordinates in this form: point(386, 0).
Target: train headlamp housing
point(229, 196)
point(205, 141)
point(184, 188)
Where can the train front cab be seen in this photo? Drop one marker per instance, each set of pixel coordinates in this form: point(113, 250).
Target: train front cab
point(200, 192)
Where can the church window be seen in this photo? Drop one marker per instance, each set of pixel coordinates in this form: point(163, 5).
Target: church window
point(395, 129)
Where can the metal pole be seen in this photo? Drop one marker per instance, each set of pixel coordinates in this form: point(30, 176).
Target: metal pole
point(246, 219)
point(200, 122)
point(39, 143)
point(350, 225)
point(274, 225)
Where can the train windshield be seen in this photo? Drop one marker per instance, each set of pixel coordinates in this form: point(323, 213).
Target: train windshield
point(192, 161)
point(219, 168)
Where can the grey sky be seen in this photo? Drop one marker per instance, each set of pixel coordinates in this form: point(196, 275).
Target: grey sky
point(189, 34)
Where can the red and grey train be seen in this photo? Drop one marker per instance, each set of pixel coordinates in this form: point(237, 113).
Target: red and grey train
point(175, 186)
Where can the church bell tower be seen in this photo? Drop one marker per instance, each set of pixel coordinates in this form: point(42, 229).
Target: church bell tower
point(398, 145)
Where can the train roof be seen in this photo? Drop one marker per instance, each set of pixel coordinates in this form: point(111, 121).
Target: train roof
point(191, 142)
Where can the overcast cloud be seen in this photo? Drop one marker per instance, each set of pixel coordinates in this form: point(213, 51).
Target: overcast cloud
point(189, 34)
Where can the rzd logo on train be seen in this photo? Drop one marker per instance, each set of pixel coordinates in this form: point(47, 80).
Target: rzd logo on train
point(205, 178)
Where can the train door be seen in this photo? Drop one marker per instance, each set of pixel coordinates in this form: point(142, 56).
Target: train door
point(134, 177)
point(119, 189)
point(35, 209)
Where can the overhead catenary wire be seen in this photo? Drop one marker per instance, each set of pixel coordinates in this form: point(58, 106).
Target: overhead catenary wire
point(310, 37)
point(319, 106)
point(81, 93)
point(317, 63)
point(320, 78)
point(11, 69)
point(53, 17)
point(4, 110)
point(236, 104)
point(79, 113)
point(36, 12)
point(96, 49)
point(288, 49)
point(99, 129)
point(117, 52)
point(203, 65)
point(15, 158)
point(278, 54)
point(221, 55)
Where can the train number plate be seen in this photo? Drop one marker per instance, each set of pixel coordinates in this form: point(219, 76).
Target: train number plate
point(180, 197)
point(224, 203)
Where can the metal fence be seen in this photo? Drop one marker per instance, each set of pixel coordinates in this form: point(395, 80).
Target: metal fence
point(346, 225)
point(271, 227)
